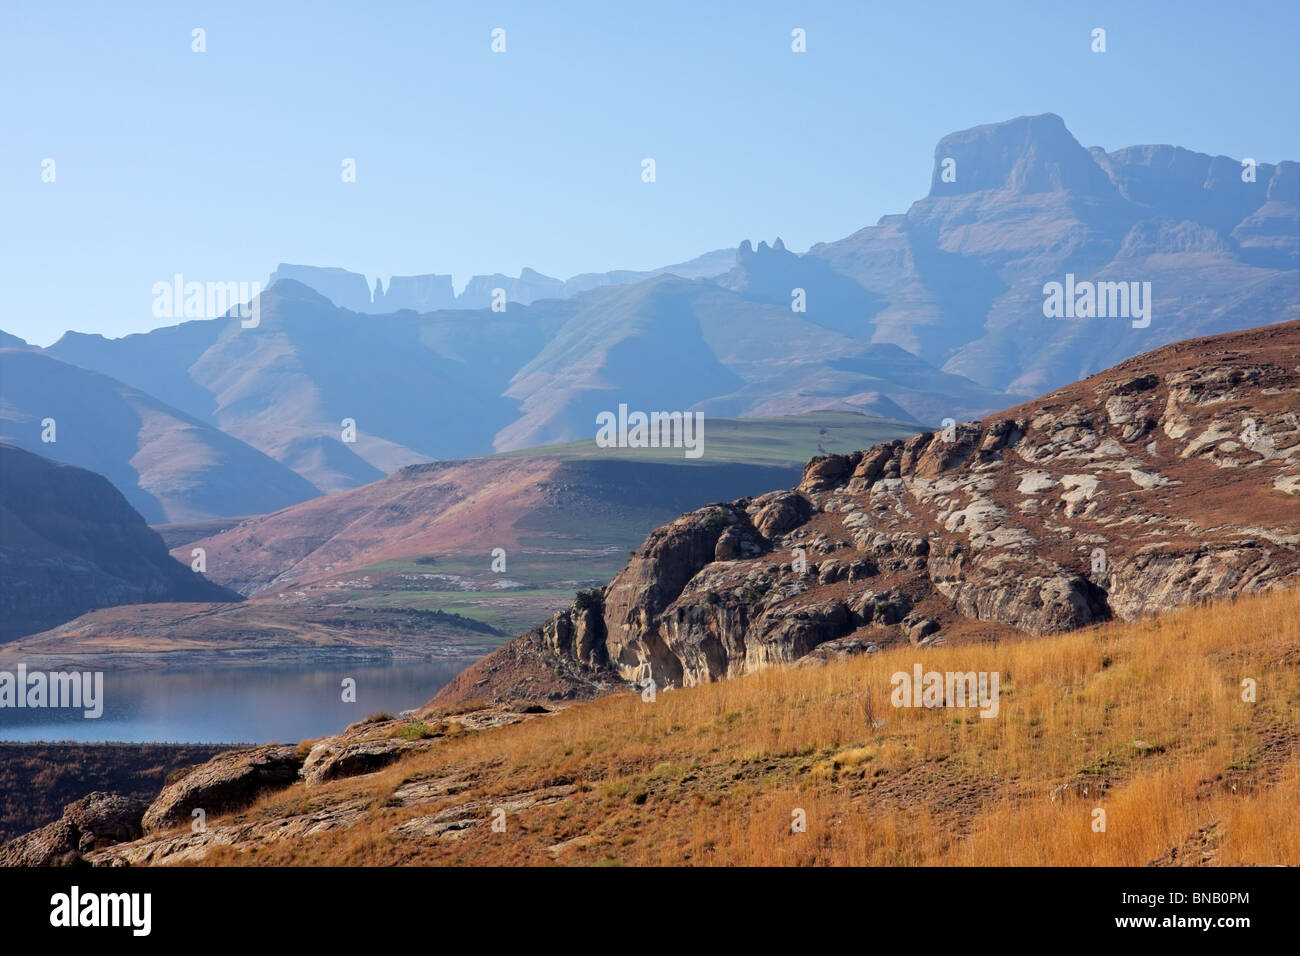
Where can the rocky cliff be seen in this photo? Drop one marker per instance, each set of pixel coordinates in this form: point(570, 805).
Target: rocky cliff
point(1169, 479)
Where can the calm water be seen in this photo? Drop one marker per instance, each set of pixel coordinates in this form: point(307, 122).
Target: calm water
point(235, 705)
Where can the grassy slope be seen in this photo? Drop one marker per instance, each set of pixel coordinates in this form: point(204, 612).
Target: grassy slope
point(564, 552)
point(788, 440)
point(1143, 720)
point(536, 583)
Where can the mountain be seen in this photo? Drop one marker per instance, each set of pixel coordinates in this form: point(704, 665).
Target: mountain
point(70, 542)
point(960, 277)
point(169, 465)
point(408, 565)
point(529, 287)
point(939, 313)
point(671, 343)
point(706, 266)
point(417, 388)
point(347, 290)
point(453, 384)
point(429, 293)
point(580, 498)
point(1170, 479)
point(424, 293)
point(421, 519)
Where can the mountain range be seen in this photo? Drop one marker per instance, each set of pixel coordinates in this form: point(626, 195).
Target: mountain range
point(431, 292)
point(930, 315)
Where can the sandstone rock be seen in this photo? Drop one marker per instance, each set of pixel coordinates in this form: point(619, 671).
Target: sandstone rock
point(226, 782)
point(779, 513)
point(837, 649)
point(54, 844)
point(334, 760)
point(95, 821)
point(738, 541)
point(103, 819)
point(828, 471)
point(888, 608)
point(918, 627)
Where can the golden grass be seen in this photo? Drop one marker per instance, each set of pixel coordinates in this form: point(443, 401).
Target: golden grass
point(1144, 721)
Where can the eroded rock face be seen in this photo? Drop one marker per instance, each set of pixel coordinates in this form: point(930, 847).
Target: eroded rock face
point(332, 760)
point(370, 745)
point(226, 782)
point(1170, 479)
point(96, 821)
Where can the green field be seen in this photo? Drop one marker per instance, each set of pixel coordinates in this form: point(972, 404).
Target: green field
point(788, 440)
point(533, 585)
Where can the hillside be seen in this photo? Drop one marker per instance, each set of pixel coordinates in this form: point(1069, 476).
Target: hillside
point(540, 505)
point(286, 386)
point(266, 633)
point(1169, 479)
point(784, 441)
point(462, 383)
point(405, 565)
point(69, 542)
point(1144, 721)
point(169, 465)
point(38, 780)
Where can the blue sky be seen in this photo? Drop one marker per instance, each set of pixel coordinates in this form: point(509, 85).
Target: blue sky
point(222, 164)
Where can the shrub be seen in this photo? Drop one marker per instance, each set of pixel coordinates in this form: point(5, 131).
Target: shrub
point(304, 748)
point(715, 522)
point(419, 730)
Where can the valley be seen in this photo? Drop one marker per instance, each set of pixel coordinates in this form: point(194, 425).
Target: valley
point(403, 568)
point(968, 538)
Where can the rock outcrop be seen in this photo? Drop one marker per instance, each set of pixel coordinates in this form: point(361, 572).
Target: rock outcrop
point(226, 782)
point(109, 830)
point(96, 821)
point(1170, 479)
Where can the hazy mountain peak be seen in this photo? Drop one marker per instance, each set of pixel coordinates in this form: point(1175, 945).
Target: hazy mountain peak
point(293, 290)
point(73, 336)
point(345, 289)
point(1028, 154)
point(9, 341)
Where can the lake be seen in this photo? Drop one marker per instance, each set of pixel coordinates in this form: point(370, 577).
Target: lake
point(235, 705)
